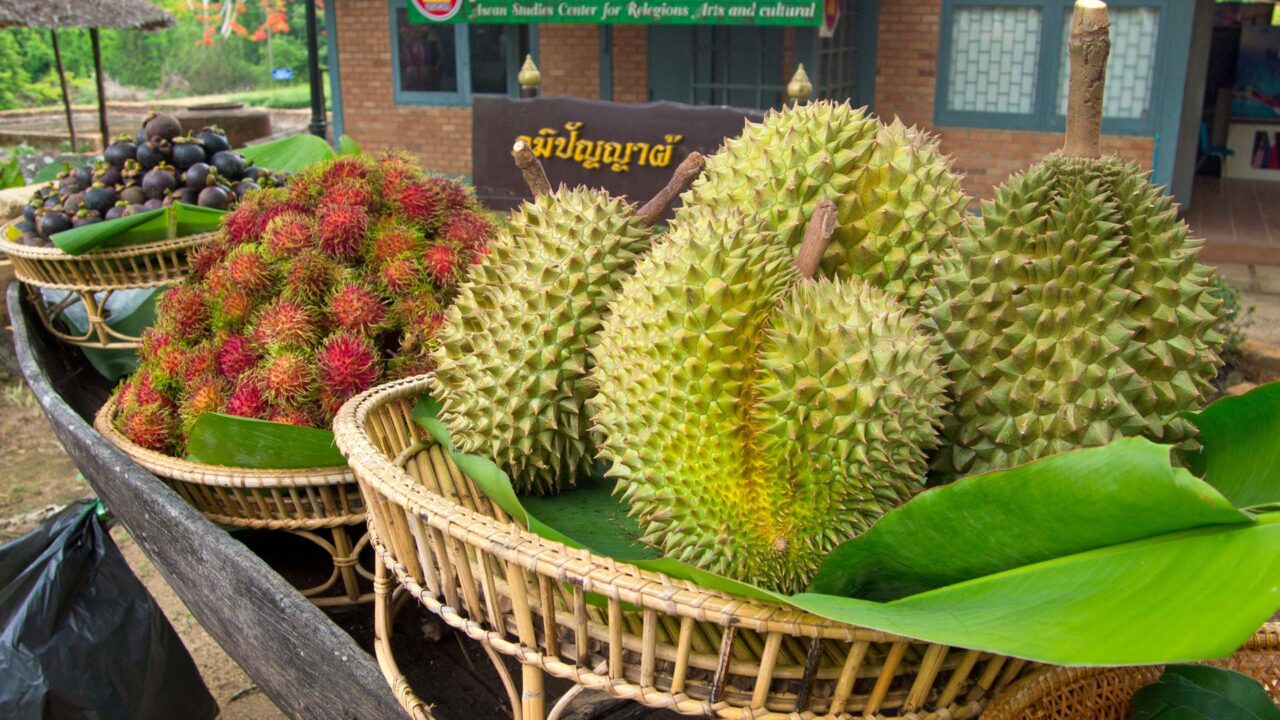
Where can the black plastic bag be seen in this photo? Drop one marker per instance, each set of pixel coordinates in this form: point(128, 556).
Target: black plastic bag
point(80, 636)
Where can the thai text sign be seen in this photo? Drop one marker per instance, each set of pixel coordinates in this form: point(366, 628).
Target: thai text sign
point(619, 12)
point(628, 149)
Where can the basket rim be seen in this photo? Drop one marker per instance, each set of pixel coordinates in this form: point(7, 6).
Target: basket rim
point(196, 473)
point(55, 254)
point(595, 573)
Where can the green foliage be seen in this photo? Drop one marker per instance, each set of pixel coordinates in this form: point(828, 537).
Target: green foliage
point(1189, 692)
point(11, 174)
point(1235, 318)
point(292, 96)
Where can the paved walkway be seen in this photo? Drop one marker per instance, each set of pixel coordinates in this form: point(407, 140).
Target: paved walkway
point(1239, 220)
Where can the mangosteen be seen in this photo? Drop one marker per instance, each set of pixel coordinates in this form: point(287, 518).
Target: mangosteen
point(216, 197)
point(158, 181)
point(53, 203)
point(86, 217)
point(214, 140)
point(29, 211)
point(100, 198)
point(161, 127)
point(115, 211)
point(151, 204)
point(230, 165)
point(197, 176)
point(84, 175)
point(120, 151)
point(243, 187)
point(73, 203)
point(70, 185)
point(25, 226)
point(189, 196)
point(132, 194)
point(108, 175)
point(149, 155)
point(53, 222)
point(187, 152)
point(134, 210)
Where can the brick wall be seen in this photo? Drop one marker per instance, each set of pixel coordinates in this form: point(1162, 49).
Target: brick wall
point(441, 136)
point(906, 78)
point(630, 63)
point(569, 58)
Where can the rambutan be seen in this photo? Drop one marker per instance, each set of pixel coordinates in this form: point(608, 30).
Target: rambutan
point(349, 192)
point(153, 340)
point(342, 229)
point(356, 308)
point(396, 169)
point(444, 264)
point(410, 364)
point(183, 309)
point(205, 258)
point(167, 370)
point(347, 364)
point(142, 392)
point(466, 229)
point(454, 193)
point(249, 272)
point(231, 309)
point(287, 235)
point(248, 221)
point(200, 364)
point(400, 274)
point(207, 397)
point(419, 202)
point(284, 323)
point(236, 355)
point(392, 239)
point(300, 416)
point(346, 167)
point(248, 400)
point(308, 277)
point(287, 377)
point(412, 309)
point(151, 426)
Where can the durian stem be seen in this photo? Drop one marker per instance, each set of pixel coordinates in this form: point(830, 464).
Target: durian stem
point(688, 171)
point(817, 236)
point(534, 176)
point(1089, 45)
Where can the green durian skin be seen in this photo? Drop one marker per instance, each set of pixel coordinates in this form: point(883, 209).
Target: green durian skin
point(513, 357)
point(900, 205)
point(755, 420)
point(1074, 313)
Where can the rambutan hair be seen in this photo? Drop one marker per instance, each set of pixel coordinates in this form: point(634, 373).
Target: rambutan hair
point(466, 229)
point(301, 416)
point(153, 427)
point(351, 193)
point(400, 274)
point(342, 230)
point(284, 323)
point(232, 309)
point(287, 234)
point(419, 202)
point(287, 376)
point(236, 355)
point(391, 239)
point(184, 310)
point(444, 264)
point(247, 399)
point(344, 168)
point(249, 272)
point(454, 193)
point(347, 364)
point(309, 276)
point(355, 308)
point(207, 397)
point(204, 258)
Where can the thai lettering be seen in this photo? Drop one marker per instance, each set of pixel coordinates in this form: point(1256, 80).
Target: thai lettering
point(567, 143)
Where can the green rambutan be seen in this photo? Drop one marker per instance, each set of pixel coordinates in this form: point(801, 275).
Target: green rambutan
point(207, 397)
point(392, 239)
point(247, 400)
point(236, 354)
point(153, 340)
point(287, 235)
point(347, 364)
point(231, 309)
point(466, 229)
point(284, 323)
point(183, 309)
point(356, 308)
point(396, 169)
point(413, 308)
point(249, 272)
point(200, 364)
point(342, 230)
point(140, 392)
point(150, 426)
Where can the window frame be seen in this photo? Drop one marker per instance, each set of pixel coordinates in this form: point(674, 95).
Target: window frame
point(462, 56)
point(1044, 116)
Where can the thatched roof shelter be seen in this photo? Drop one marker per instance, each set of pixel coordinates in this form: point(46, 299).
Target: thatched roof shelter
point(60, 14)
point(55, 15)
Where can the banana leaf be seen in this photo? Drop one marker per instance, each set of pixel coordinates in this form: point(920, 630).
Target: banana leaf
point(290, 154)
point(127, 311)
point(218, 439)
point(348, 146)
point(176, 220)
point(1238, 451)
point(1186, 692)
point(1120, 559)
point(49, 172)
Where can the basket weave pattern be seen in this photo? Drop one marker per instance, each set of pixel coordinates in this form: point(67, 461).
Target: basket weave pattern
point(303, 502)
point(610, 626)
point(1061, 693)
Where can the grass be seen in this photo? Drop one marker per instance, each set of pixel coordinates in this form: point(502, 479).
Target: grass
point(284, 97)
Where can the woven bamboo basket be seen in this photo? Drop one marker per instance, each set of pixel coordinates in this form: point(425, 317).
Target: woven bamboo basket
point(610, 626)
point(1066, 693)
point(92, 278)
point(322, 505)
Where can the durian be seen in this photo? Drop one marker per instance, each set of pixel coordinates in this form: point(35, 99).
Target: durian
point(900, 205)
point(1075, 313)
point(755, 419)
point(512, 359)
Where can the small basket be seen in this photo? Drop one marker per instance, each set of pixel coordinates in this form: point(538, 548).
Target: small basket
point(304, 502)
point(1067, 693)
point(609, 626)
point(92, 277)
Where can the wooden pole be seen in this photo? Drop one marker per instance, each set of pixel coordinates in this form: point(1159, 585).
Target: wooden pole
point(1088, 47)
point(66, 97)
point(817, 236)
point(102, 95)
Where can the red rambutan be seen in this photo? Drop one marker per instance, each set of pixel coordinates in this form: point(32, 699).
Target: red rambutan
point(349, 192)
point(342, 229)
point(467, 229)
point(293, 415)
point(287, 377)
point(400, 274)
point(284, 323)
point(392, 239)
point(248, 400)
point(347, 167)
point(205, 258)
point(454, 193)
point(286, 235)
point(183, 309)
point(153, 340)
point(206, 398)
point(419, 202)
point(249, 272)
point(200, 365)
point(151, 426)
point(235, 356)
point(347, 364)
point(356, 308)
point(396, 169)
point(443, 264)
point(308, 276)
point(142, 392)
point(231, 309)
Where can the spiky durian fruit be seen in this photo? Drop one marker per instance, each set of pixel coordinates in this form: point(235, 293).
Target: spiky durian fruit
point(512, 359)
point(755, 419)
point(899, 203)
point(1075, 314)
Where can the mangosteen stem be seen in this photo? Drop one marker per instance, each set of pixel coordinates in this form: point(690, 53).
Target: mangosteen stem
point(1089, 45)
point(688, 171)
point(817, 236)
point(534, 176)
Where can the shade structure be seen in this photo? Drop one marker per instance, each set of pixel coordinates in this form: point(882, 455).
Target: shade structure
point(54, 15)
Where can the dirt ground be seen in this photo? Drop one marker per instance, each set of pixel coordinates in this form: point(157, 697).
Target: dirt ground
point(36, 478)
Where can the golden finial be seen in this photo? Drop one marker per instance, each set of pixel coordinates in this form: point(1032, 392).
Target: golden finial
point(799, 88)
point(529, 76)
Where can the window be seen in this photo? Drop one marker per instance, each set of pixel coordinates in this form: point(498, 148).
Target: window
point(1003, 63)
point(738, 66)
point(447, 64)
point(839, 65)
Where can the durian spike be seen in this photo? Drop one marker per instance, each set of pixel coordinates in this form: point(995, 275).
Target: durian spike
point(817, 235)
point(1089, 45)
point(534, 176)
point(688, 171)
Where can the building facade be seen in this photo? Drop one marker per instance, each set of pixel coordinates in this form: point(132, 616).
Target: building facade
point(988, 76)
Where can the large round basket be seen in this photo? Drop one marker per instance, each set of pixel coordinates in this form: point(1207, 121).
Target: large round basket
point(321, 505)
point(92, 278)
point(1065, 693)
point(609, 626)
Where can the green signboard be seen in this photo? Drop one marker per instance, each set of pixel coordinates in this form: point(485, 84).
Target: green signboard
point(619, 12)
